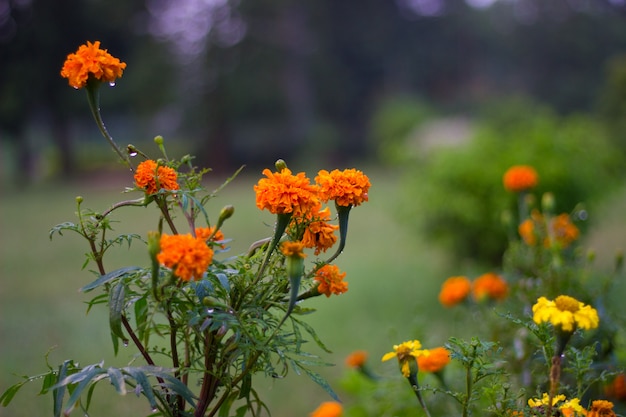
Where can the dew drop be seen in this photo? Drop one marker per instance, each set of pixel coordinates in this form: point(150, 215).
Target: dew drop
point(155, 409)
point(112, 83)
point(125, 342)
point(210, 310)
point(133, 154)
point(75, 87)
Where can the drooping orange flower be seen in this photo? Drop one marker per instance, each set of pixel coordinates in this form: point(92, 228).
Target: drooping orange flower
point(187, 256)
point(437, 360)
point(330, 280)
point(90, 60)
point(282, 192)
point(152, 177)
point(348, 187)
point(520, 178)
point(562, 231)
point(204, 233)
point(489, 286)
point(293, 249)
point(356, 359)
point(601, 408)
point(328, 409)
point(454, 290)
point(320, 234)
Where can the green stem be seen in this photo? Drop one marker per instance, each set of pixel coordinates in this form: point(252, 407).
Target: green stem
point(93, 98)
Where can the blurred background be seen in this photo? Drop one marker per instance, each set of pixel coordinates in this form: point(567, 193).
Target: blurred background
point(433, 99)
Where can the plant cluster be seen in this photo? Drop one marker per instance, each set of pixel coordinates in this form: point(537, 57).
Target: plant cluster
point(203, 321)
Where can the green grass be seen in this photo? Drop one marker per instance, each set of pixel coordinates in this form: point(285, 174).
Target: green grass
point(393, 277)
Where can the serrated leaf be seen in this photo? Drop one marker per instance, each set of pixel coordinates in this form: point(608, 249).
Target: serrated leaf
point(103, 279)
point(116, 308)
point(317, 378)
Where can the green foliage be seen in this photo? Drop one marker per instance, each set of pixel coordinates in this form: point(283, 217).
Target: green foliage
point(454, 195)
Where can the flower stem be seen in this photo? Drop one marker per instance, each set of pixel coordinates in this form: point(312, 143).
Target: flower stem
point(93, 98)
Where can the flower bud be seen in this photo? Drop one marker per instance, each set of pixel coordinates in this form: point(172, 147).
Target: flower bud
point(158, 140)
point(547, 202)
point(280, 165)
point(79, 199)
point(226, 213)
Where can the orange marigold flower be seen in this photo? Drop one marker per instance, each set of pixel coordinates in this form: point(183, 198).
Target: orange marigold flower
point(205, 232)
point(348, 187)
point(90, 60)
point(601, 408)
point(152, 177)
point(320, 234)
point(617, 388)
point(331, 280)
point(328, 409)
point(439, 357)
point(454, 290)
point(562, 231)
point(356, 359)
point(186, 255)
point(293, 249)
point(520, 178)
point(490, 285)
point(282, 192)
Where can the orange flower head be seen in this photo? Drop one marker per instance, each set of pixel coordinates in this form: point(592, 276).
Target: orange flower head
point(520, 178)
point(293, 249)
point(282, 192)
point(356, 359)
point(331, 280)
point(490, 286)
point(454, 290)
point(320, 234)
point(187, 256)
point(562, 231)
point(617, 388)
point(91, 61)
point(348, 187)
point(601, 408)
point(437, 360)
point(204, 233)
point(328, 409)
point(152, 177)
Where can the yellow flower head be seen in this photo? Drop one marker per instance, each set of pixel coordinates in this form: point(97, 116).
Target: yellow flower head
point(152, 177)
point(282, 193)
point(186, 255)
point(565, 312)
point(545, 400)
point(348, 187)
point(330, 280)
point(356, 359)
point(293, 249)
point(568, 408)
point(491, 286)
point(454, 290)
point(91, 61)
point(328, 409)
point(438, 358)
point(405, 352)
point(520, 178)
point(320, 234)
point(601, 408)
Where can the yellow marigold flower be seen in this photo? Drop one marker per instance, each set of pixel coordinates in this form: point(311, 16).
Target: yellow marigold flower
point(520, 178)
point(348, 187)
point(331, 280)
point(186, 255)
point(601, 408)
point(152, 178)
point(328, 409)
point(490, 285)
point(545, 400)
point(282, 192)
point(437, 360)
point(356, 359)
point(454, 290)
point(320, 234)
point(293, 249)
point(572, 408)
point(90, 60)
point(405, 352)
point(565, 312)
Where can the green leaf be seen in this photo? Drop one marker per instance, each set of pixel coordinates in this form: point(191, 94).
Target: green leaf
point(246, 385)
point(10, 392)
point(59, 392)
point(103, 279)
point(116, 308)
point(315, 377)
point(172, 383)
point(87, 376)
point(117, 380)
point(142, 381)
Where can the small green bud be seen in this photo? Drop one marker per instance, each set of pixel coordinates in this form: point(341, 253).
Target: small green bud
point(591, 255)
point(280, 165)
point(132, 151)
point(547, 202)
point(226, 213)
point(158, 140)
point(79, 199)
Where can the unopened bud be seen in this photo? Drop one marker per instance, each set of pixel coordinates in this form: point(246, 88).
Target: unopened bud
point(226, 213)
point(591, 255)
point(158, 140)
point(547, 202)
point(79, 199)
point(280, 165)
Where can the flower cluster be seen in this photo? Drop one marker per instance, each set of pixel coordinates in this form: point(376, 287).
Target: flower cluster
point(558, 230)
point(489, 286)
point(91, 61)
